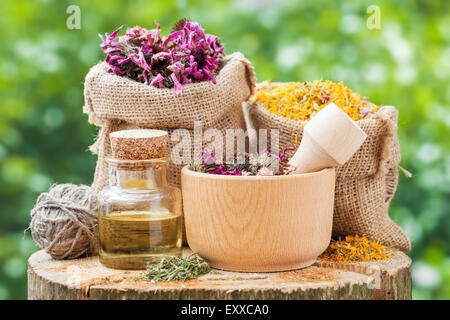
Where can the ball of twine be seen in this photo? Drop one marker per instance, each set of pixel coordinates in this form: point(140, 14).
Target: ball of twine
point(64, 220)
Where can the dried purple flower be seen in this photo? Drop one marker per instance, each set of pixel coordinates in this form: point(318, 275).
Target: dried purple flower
point(283, 154)
point(157, 80)
point(364, 111)
point(264, 171)
point(186, 55)
point(265, 164)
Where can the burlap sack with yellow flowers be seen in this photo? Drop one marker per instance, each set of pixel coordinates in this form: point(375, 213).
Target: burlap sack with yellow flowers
point(366, 184)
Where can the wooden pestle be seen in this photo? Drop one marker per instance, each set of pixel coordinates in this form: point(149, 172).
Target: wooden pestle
point(329, 139)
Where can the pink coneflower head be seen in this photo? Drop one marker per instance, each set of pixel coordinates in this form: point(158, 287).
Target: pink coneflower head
point(187, 55)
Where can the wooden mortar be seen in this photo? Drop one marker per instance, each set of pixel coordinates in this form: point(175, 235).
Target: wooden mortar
point(258, 223)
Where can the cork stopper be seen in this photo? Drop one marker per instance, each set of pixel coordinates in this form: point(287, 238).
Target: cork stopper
point(139, 144)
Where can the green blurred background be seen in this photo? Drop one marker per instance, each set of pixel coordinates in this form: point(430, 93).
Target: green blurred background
point(406, 63)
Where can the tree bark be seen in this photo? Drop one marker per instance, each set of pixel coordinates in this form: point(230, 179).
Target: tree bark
point(86, 278)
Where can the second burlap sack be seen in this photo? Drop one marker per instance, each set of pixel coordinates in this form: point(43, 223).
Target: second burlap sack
point(366, 184)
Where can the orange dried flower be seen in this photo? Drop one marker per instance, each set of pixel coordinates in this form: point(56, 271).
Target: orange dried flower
point(298, 101)
point(355, 248)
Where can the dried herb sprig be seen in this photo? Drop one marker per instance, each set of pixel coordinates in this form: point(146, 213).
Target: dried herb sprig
point(175, 269)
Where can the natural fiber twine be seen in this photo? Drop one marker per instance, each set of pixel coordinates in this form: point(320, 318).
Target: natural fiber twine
point(64, 220)
point(366, 184)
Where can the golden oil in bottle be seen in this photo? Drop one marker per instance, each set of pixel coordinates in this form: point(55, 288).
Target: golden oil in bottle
point(132, 239)
point(140, 213)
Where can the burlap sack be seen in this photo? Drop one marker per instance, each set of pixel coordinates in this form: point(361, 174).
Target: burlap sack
point(116, 103)
point(366, 184)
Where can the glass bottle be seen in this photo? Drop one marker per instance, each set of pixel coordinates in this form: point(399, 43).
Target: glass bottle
point(139, 215)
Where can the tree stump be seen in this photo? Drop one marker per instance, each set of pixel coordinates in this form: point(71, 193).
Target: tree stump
point(86, 278)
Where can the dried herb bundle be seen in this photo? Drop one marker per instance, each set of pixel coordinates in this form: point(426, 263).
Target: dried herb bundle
point(355, 248)
point(264, 164)
point(175, 269)
point(187, 55)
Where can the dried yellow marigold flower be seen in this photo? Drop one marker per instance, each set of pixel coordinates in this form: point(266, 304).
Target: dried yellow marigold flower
point(298, 101)
point(355, 248)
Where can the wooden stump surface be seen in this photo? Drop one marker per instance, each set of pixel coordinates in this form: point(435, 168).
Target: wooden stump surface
point(86, 278)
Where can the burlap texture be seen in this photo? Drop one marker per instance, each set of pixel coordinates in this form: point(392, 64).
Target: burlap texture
point(116, 103)
point(366, 184)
